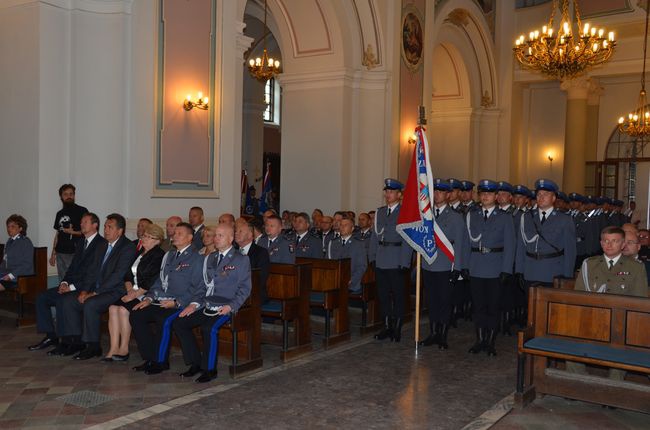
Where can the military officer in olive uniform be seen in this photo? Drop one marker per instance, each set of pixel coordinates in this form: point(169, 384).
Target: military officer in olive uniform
point(392, 257)
point(440, 278)
point(491, 259)
point(280, 249)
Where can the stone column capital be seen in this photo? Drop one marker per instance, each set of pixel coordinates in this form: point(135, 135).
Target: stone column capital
point(595, 91)
point(243, 42)
point(576, 88)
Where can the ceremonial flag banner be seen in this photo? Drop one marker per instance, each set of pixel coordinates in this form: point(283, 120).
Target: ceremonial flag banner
point(416, 223)
point(265, 198)
point(244, 190)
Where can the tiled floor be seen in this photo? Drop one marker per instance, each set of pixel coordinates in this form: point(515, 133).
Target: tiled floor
point(362, 384)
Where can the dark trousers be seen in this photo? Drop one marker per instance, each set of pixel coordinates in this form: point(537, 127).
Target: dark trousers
point(44, 303)
point(508, 295)
point(89, 312)
point(438, 293)
point(486, 297)
point(153, 344)
point(209, 332)
point(390, 282)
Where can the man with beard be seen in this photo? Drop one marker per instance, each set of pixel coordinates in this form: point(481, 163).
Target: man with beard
point(67, 224)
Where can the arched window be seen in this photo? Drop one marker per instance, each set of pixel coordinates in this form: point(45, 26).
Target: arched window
point(272, 102)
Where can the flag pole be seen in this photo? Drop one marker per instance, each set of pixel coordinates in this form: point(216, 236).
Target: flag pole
point(417, 301)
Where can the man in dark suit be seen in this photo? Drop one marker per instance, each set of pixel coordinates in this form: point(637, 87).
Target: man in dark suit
point(18, 258)
point(180, 286)
point(258, 256)
point(227, 274)
point(80, 276)
point(114, 259)
point(196, 219)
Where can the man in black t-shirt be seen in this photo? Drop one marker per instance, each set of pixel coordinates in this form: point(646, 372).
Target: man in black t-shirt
point(67, 224)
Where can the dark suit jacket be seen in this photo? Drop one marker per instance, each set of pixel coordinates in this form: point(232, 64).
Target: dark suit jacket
point(18, 257)
point(110, 275)
point(197, 239)
point(82, 272)
point(148, 268)
point(259, 259)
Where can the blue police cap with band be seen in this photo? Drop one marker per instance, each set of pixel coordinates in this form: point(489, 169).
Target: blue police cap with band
point(600, 200)
point(546, 185)
point(521, 190)
point(487, 185)
point(466, 185)
point(619, 203)
point(505, 186)
point(562, 196)
point(575, 197)
point(393, 184)
point(455, 184)
point(441, 185)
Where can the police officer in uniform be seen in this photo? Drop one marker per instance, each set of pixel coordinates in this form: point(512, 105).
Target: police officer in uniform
point(441, 277)
point(491, 259)
point(392, 257)
point(584, 235)
point(306, 245)
point(546, 242)
point(280, 249)
point(463, 294)
point(453, 200)
point(180, 286)
point(349, 246)
point(505, 192)
point(504, 197)
point(467, 196)
point(227, 276)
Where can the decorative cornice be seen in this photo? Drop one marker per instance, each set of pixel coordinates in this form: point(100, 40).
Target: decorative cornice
point(376, 80)
point(91, 6)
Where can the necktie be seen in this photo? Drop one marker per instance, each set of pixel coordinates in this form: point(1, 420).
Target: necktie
point(85, 244)
point(485, 214)
point(178, 254)
point(108, 252)
point(270, 242)
point(388, 212)
point(437, 213)
point(139, 247)
point(220, 258)
point(543, 217)
point(611, 264)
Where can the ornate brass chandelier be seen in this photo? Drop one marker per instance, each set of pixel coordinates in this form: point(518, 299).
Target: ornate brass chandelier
point(564, 54)
point(637, 123)
point(264, 68)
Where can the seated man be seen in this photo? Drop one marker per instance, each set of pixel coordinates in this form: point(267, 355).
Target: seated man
point(258, 256)
point(307, 245)
point(170, 227)
point(227, 274)
point(611, 273)
point(350, 247)
point(277, 246)
point(180, 283)
point(113, 259)
point(80, 276)
point(632, 247)
point(18, 259)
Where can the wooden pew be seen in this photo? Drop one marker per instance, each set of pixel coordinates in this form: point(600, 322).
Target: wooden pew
point(564, 283)
point(370, 317)
point(329, 286)
point(604, 330)
point(29, 287)
point(289, 288)
point(240, 339)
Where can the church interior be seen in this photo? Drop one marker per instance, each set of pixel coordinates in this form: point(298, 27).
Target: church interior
point(153, 107)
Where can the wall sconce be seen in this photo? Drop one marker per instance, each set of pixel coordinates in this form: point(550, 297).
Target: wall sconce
point(200, 103)
point(412, 139)
point(550, 159)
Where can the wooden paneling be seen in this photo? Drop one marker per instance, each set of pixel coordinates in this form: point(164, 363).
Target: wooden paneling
point(579, 321)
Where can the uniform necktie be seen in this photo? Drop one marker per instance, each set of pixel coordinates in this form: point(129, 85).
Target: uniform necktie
point(611, 264)
point(437, 213)
point(543, 217)
point(108, 252)
point(178, 254)
point(220, 258)
point(388, 212)
point(485, 214)
point(270, 242)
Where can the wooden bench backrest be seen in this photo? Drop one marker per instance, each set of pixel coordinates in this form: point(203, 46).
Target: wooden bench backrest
point(285, 280)
point(328, 275)
point(615, 320)
point(564, 283)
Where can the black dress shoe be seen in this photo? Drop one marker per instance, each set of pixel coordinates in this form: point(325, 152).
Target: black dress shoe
point(207, 376)
point(88, 353)
point(193, 370)
point(45, 343)
point(155, 368)
point(142, 367)
point(73, 349)
point(59, 350)
point(107, 360)
point(117, 357)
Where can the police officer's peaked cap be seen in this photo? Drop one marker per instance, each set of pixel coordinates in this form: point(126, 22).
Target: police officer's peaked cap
point(442, 185)
point(487, 185)
point(547, 185)
point(393, 184)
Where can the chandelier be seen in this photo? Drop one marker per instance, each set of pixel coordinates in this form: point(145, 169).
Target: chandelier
point(264, 68)
point(565, 54)
point(637, 123)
